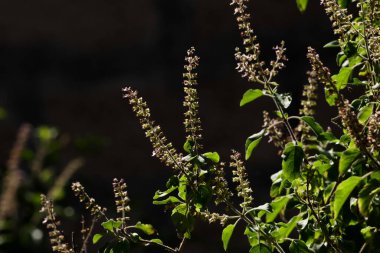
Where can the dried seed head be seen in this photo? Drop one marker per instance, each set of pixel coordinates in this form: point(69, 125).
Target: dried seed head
point(351, 123)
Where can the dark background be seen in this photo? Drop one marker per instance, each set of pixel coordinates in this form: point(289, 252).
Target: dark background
point(64, 62)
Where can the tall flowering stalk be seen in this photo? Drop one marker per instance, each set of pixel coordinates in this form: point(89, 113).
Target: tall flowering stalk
point(12, 179)
point(339, 17)
point(57, 239)
point(162, 149)
point(240, 178)
point(192, 121)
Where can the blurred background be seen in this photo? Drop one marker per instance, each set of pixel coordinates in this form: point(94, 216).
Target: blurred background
point(63, 64)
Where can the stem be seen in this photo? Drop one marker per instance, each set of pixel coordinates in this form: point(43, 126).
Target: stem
point(180, 248)
point(165, 247)
point(363, 248)
point(85, 241)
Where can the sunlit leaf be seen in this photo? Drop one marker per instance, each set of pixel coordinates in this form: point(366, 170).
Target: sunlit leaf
point(250, 95)
point(226, 235)
point(343, 191)
point(252, 142)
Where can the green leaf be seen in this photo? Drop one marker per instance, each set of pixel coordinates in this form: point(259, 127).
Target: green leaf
point(343, 3)
point(331, 96)
point(183, 221)
point(96, 238)
point(250, 95)
point(188, 147)
point(302, 5)
point(252, 142)
point(260, 248)
point(298, 246)
point(291, 164)
point(169, 200)
point(226, 235)
point(332, 44)
point(252, 235)
point(110, 225)
point(375, 175)
point(213, 156)
point(277, 205)
point(310, 121)
point(156, 241)
point(285, 229)
point(347, 158)
point(368, 232)
point(367, 195)
point(343, 191)
point(159, 194)
point(364, 113)
point(284, 99)
point(146, 228)
point(342, 78)
point(328, 191)
point(182, 188)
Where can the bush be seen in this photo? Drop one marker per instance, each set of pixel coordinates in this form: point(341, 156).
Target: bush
point(326, 196)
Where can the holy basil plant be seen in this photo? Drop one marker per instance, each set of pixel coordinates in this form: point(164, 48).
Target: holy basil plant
point(325, 195)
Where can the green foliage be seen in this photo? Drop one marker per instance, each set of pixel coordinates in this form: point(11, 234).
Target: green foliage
point(34, 167)
point(226, 235)
point(250, 95)
point(325, 196)
point(302, 5)
point(252, 142)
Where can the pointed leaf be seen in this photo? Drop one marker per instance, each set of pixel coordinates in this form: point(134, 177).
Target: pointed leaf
point(213, 156)
point(310, 121)
point(146, 228)
point(277, 205)
point(364, 113)
point(328, 191)
point(302, 5)
point(332, 44)
point(156, 241)
point(96, 238)
point(366, 197)
point(226, 235)
point(291, 164)
point(347, 158)
point(342, 78)
point(250, 95)
point(169, 200)
point(343, 191)
point(252, 142)
point(159, 194)
point(110, 225)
